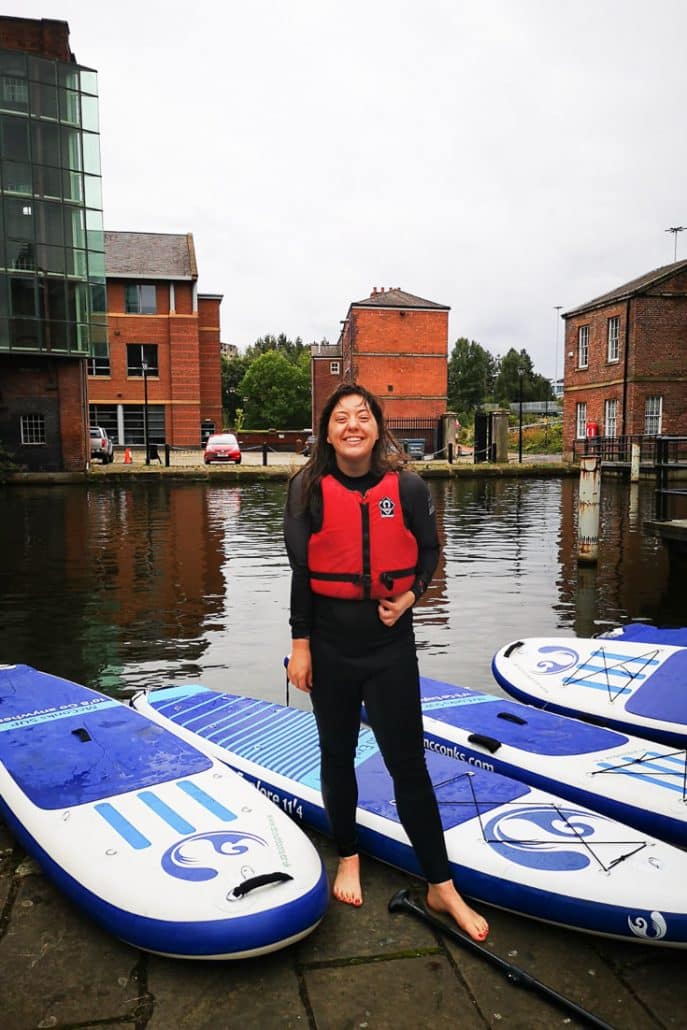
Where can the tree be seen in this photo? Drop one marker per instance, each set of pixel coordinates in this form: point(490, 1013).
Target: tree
point(233, 371)
point(535, 387)
point(276, 391)
point(471, 374)
point(291, 349)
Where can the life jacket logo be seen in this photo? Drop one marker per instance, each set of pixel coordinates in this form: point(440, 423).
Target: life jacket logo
point(387, 508)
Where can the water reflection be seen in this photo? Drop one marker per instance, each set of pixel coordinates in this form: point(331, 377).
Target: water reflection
point(121, 587)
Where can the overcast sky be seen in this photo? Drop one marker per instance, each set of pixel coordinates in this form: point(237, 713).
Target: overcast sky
point(500, 157)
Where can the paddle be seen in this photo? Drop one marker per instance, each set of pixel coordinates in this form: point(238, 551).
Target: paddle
point(401, 902)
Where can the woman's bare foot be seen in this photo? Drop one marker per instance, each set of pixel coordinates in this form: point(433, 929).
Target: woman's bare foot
point(347, 882)
point(443, 897)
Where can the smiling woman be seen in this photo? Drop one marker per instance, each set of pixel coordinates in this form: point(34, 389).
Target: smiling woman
point(362, 543)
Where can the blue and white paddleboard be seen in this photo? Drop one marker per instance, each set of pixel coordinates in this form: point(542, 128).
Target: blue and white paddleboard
point(509, 844)
point(643, 632)
point(638, 782)
point(633, 687)
point(166, 848)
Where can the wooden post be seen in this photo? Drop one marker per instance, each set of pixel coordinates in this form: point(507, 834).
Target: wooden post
point(634, 464)
point(588, 510)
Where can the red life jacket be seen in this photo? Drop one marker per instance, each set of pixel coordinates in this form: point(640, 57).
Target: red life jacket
point(363, 549)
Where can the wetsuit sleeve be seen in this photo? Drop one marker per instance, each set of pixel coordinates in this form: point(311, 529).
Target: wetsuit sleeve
point(297, 529)
point(420, 518)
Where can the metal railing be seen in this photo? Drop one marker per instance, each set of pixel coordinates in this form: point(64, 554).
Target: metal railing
point(671, 458)
point(616, 448)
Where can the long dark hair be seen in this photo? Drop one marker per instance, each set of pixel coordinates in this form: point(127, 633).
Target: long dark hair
point(386, 453)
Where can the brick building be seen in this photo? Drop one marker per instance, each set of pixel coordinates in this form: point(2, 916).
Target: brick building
point(396, 345)
point(52, 268)
point(626, 360)
point(163, 360)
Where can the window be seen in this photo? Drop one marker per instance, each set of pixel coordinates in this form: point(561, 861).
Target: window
point(581, 421)
point(613, 338)
point(32, 429)
point(653, 411)
point(140, 299)
point(136, 354)
point(610, 417)
point(134, 432)
point(334, 368)
point(105, 416)
point(583, 346)
point(99, 366)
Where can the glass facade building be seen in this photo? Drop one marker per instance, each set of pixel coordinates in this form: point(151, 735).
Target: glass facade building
point(52, 261)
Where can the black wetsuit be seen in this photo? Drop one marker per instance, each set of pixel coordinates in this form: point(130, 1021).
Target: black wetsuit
point(356, 659)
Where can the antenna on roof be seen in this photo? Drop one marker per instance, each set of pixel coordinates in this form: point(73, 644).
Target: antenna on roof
point(675, 229)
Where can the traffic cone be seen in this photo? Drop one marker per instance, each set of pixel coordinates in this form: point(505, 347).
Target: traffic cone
point(127, 456)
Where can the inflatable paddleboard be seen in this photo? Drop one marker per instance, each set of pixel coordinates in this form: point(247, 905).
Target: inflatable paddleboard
point(166, 848)
point(642, 632)
point(638, 782)
point(509, 844)
point(633, 687)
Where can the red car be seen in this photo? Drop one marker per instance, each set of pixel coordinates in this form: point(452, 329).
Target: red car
point(222, 447)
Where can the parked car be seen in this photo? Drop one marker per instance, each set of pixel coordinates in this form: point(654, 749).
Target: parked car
point(101, 445)
point(222, 447)
point(308, 445)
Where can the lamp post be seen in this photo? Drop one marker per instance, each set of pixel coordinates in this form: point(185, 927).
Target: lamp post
point(520, 375)
point(557, 309)
point(675, 229)
point(144, 366)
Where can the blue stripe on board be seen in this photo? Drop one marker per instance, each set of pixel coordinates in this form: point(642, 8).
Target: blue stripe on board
point(654, 771)
point(639, 659)
point(617, 691)
point(79, 708)
point(122, 825)
point(457, 701)
point(197, 794)
point(611, 670)
point(159, 807)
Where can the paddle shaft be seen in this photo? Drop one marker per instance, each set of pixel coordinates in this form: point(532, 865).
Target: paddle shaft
point(401, 902)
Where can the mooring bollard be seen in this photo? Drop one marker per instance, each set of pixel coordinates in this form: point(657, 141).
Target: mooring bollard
point(588, 510)
point(634, 463)
point(264, 454)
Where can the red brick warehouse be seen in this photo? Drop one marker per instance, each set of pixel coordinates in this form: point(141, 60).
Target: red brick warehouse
point(626, 360)
point(395, 344)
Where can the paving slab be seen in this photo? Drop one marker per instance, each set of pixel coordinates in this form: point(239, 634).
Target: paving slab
point(57, 966)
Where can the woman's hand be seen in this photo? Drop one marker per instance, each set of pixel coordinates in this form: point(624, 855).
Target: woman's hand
point(299, 669)
point(390, 609)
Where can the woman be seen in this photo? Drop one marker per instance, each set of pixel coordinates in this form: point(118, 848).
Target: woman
point(362, 543)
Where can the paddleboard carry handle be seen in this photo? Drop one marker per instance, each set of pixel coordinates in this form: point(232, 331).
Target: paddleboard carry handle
point(511, 647)
point(82, 733)
point(512, 717)
point(257, 881)
point(492, 744)
point(401, 902)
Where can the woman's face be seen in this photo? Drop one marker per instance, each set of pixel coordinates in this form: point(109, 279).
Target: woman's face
point(352, 432)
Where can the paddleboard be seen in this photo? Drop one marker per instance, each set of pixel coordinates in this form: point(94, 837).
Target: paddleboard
point(638, 688)
point(638, 782)
point(165, 847)
point(509, 844)
point(641, 631)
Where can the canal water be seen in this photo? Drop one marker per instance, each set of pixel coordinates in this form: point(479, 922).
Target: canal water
point(121, 587)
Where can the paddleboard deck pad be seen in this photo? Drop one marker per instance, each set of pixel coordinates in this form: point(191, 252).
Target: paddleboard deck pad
point(638, 782)
point(629, 686)
point(165, 847)
point(509, 844)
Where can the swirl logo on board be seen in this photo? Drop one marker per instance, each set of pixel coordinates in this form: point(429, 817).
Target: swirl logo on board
point(559, 659)
point(196, 857)
point(536, 836)
point(651, 929)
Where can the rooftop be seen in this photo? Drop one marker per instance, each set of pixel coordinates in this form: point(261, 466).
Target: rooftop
point(395, 297)
point(150, 255)
point(629, 289)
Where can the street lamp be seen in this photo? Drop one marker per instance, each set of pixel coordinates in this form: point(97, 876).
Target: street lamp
point(675, 229)
point(144, 366)
point(521, 372)
point(557, 309)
